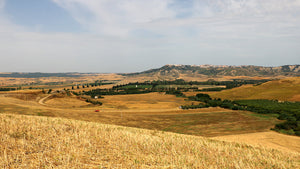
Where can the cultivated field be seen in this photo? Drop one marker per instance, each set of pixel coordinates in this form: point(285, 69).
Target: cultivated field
point(63, 142)
point(269, 139)
point(148, 101)
point(155, 111)
point(43, 142)
point(287, 89)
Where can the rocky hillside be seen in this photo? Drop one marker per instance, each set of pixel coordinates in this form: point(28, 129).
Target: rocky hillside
point(175, 71)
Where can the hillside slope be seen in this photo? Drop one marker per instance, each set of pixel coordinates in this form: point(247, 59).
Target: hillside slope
point(284, 90)
point(268, 139)
point(178, 71)
point(41, 142)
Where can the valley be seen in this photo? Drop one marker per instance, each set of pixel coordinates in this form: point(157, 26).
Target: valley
point(151, 107)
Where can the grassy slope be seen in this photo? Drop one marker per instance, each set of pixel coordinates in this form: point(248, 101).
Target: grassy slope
point(267, 139)
point(41, 142)
point(156, 115)
point(285, 89)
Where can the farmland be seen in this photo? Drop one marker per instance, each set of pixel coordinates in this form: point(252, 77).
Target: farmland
point(38, 142)
point(158, 111)
point(287, 89)
point(152, 111)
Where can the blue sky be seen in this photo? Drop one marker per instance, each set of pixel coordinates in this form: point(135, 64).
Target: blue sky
point(135, 35)
point(41, 15)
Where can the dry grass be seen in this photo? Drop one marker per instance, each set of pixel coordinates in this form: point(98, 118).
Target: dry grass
point(67, 81)
point(150, 111)
point(159, 115)
point(198, 123)
point(7, 81)
point(143, 101)
point(285, 89)
point(66, 102)
point(267, 139)
point(41, 142)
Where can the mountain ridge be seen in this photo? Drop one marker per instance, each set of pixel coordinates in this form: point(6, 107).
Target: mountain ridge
point(175, 71)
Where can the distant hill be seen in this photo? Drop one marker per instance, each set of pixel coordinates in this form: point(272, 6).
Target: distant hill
point(38, 75)
point(176, 71)
point(287, 89)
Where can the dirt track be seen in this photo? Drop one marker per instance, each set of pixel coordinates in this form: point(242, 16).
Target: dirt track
point(42, 100)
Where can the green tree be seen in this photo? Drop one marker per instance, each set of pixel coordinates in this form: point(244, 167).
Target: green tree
point(49, 91)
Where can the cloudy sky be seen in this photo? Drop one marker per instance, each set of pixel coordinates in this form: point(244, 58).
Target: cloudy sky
point(135, 35)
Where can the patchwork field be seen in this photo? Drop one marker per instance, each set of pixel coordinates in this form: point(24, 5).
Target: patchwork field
point(156, 111)
point(155, 114)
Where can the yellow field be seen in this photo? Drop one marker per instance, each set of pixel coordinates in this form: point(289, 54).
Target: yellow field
point(269, 139)
point(64, 82)
point(151, 111)
point(285, 90)
point(155, 111)
point(43, 142)
point(143, 101)
point(66, 102)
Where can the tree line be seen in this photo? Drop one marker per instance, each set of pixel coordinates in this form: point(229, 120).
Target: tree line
point(288, 111)
point(7, 89)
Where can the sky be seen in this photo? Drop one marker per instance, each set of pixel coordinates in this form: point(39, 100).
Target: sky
point(114, 36)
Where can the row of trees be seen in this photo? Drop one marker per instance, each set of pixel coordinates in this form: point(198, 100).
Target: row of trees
point(99, 92)
point(7, 89)
point(161, 86)
point(288, 111)
point(87, 85)
point(116, 91)
point(228, 84)
point(95, 102)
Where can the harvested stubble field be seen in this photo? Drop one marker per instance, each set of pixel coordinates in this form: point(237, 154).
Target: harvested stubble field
point(59, 83)
point(287, 89)
point(147, 101)
point(161, 114)
point(44, 142)
point(151, 111)
point(66, 102)
point(267, 139)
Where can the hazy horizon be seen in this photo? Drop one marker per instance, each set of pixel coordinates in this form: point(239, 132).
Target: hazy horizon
point(124, 36)
point(145, 69)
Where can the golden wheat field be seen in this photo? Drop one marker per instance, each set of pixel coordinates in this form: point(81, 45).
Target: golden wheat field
point(267, 139)
point(143, 101)
point(44, 142)
point(287, 89)
point(134, 131)
point(155, 111)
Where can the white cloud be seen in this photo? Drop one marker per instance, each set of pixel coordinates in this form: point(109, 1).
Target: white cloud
point(115, 17)
point(122, 17)
point(129, 35)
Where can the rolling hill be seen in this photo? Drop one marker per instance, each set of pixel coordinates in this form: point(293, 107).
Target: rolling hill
point(178, 71)
point(287, 89)
point(44, 142)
